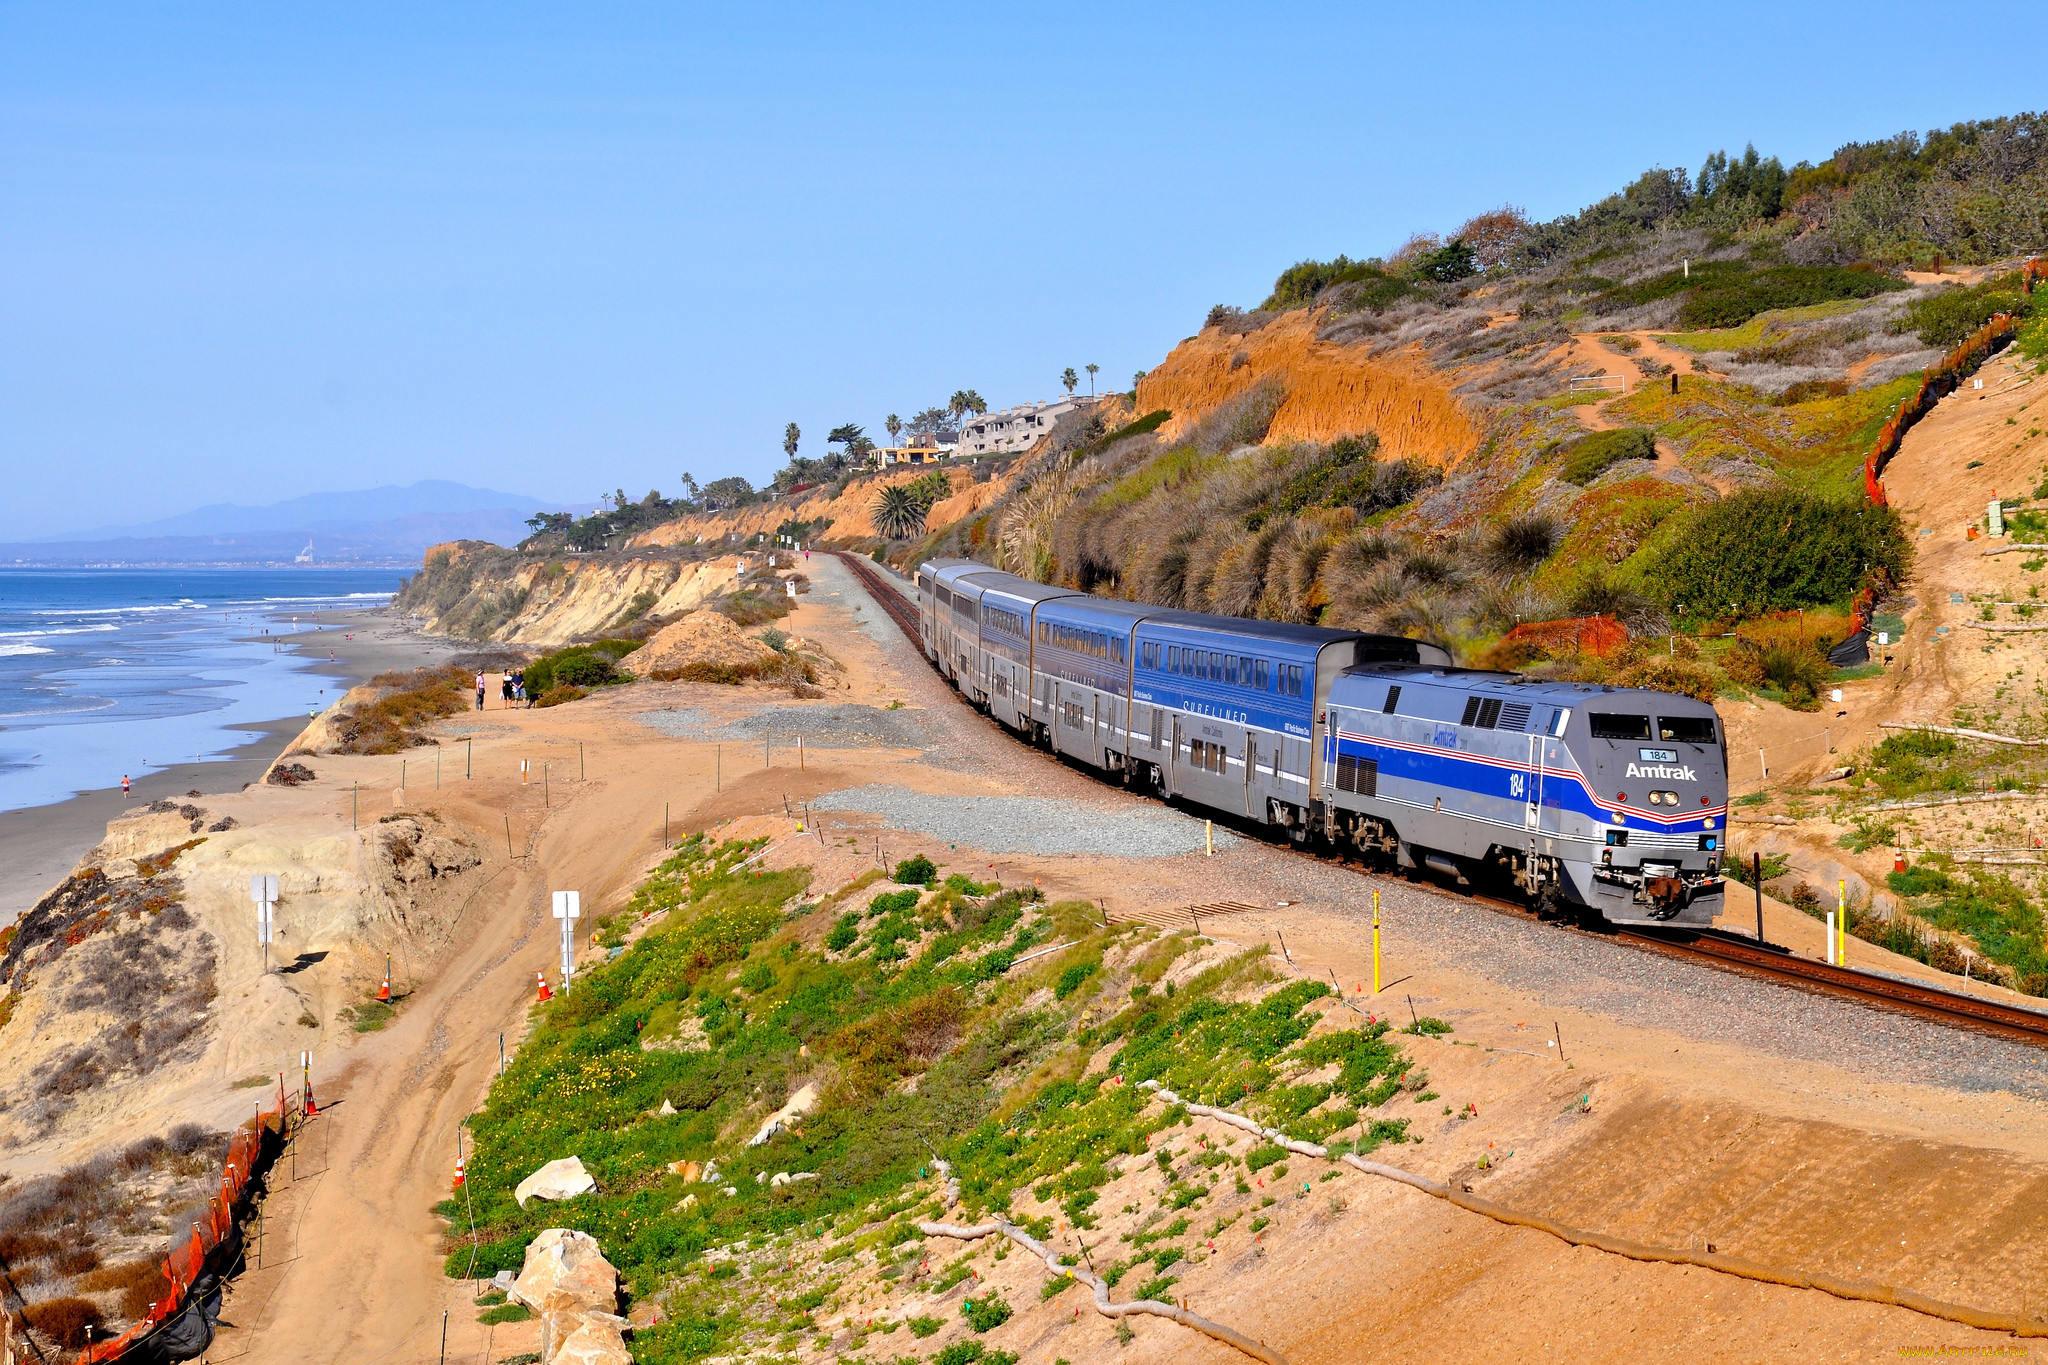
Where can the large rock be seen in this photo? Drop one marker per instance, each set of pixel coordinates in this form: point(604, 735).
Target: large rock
point(799, 1104)
point(595, 1340)
point(564, 1179)
point(566, 1274)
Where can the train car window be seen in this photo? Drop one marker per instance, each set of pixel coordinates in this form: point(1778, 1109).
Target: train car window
point(1230, 669)
point(1264, 681)
point(1611, 725)
point(1559, 718)
point(1393, 700)
point(1294, 680)
point(1686, 729)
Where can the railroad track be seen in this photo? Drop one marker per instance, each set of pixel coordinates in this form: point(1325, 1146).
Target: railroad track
point(1729, 952)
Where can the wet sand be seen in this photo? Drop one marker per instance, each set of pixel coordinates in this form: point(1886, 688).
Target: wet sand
point(41, 844)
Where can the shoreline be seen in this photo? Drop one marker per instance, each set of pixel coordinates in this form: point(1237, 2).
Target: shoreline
point(39, 845)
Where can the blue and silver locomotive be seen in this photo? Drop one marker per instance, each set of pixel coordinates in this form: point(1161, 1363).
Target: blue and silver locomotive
point(1593, 800)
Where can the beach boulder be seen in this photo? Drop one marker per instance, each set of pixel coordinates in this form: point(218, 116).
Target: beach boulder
point(564, 1179)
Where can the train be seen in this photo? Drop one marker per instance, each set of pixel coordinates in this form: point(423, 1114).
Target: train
point(1586, 801)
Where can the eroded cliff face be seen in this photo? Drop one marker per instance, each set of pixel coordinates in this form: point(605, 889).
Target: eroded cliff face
point(475, 591)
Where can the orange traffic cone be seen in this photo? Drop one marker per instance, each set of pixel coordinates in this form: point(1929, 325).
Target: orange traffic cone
point(541, 980)
point(458, 1173)
point(384, 991)
point(312, 1109)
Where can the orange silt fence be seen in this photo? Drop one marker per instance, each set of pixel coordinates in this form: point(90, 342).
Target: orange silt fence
point(1937, 381)
point(214, 1244)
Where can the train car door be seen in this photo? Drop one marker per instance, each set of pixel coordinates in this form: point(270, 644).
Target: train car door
point(1532, 784)
point(1251, 766)
point(1173, 761)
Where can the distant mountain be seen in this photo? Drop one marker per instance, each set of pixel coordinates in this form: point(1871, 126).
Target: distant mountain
point(387, 525)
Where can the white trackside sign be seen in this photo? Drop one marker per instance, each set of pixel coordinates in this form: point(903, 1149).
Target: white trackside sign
point(1676, 773)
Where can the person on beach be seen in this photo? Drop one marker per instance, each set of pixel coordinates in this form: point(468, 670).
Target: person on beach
point(124, 786)
point(505, 689)
point(479, 690)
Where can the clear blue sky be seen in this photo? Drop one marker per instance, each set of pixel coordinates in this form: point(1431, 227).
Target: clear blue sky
point(248, 252)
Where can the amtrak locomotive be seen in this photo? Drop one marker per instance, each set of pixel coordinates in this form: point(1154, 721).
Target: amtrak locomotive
point(1598, 801)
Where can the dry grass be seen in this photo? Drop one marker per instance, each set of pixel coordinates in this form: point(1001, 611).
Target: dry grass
point(1329, 390)
point(405, 704)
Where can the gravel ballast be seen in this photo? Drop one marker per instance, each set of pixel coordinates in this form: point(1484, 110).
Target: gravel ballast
point(846, 726)
point(1027, 824)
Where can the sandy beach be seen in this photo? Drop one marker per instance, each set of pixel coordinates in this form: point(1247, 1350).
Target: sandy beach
point(41, 844)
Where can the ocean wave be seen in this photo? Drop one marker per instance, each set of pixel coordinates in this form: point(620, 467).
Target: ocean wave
point(182, 604)
point(15, 651)
point(78, 706)
point(58, 630)
point(330, 597)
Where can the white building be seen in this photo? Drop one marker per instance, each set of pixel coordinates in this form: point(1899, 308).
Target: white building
point(1014, 429)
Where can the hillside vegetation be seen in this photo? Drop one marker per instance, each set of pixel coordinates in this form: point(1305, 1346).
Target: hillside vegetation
point(1396, 444)
point(893, 1032)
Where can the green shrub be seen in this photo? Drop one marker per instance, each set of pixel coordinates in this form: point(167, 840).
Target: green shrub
point(985, 1314)
point(556, 696)
point(1070, 980)
point(1587, 458)
point(1802, 673)
point(1777, 549)
point(1919, 880)
point(1734, 302)
point(1156, 1289)
point(505, 1312)
point(918, 871)
point(1945, 317)
point(892, 903)
point(925, 1325)
point(1301, 283)
point(592, 665)
point(844, 931)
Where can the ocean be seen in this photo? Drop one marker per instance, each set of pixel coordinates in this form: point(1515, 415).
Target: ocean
point(112, 671)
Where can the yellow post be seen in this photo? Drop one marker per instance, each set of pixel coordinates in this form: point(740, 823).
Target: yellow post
point(1208, 838)
point(1375, 943)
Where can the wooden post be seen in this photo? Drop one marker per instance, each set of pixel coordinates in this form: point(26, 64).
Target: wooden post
point(543, 785)
point(508, 841)
point(1756, 876)
point(664, 824)
point(355, 806)
point(468, 753)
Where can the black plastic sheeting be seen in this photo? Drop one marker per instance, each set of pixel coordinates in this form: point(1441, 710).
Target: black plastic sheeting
point(1853, 651)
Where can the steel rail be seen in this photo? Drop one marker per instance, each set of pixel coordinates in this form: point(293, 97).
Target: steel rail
point(1729, 952)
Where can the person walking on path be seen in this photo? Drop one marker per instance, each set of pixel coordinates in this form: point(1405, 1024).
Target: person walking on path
point(505, 690)
point(479, 689)
point(124, 786)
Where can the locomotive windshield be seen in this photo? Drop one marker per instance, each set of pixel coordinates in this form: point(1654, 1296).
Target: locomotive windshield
point(1610, 725)
point(1686, 729)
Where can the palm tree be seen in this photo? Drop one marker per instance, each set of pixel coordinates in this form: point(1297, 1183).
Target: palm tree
point(1069, 378)
point(1138, 379)
point(1091, 368)
point(790, 436)
point(895, 426)
point(898, 512)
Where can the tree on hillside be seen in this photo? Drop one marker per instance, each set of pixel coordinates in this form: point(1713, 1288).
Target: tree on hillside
point(1450, 262)
point(1748, 186)
point(790, 436)
point(1069, 378)
point(935, 426)
point(1494, 235)
point(964, 402)
point(1138, 379)
point(1091, 367)
point(732, 491)
point(898, 513)
point(895, 426)
point(690, 490)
